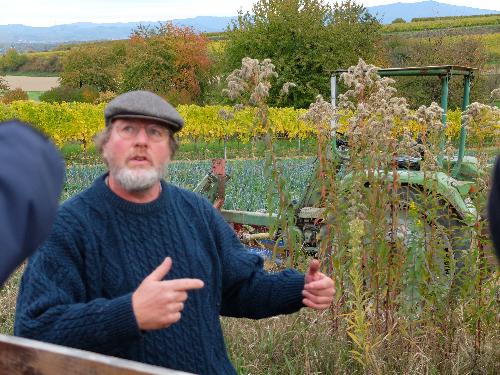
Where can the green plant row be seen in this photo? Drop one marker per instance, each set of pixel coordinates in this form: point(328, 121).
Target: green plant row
point(442, 23)
point(417, 19)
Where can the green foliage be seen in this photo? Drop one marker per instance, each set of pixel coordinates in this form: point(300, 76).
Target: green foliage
point(43, 64)
point(168, 60)
point(306, 40)
point(96, 65)
point(398, 20)
point(150, 66)
point(12, 60)
point(14, 95)
point(61, 94)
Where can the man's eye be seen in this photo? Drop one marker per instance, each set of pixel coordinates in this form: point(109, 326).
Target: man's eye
point(156, 132)
point(128, 129)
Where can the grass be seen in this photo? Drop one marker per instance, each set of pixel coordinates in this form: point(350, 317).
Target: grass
point(34, 95)
point(32, 74)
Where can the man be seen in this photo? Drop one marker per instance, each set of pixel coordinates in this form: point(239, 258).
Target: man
point(494, 208)
point(31, 180)
point(141, 269)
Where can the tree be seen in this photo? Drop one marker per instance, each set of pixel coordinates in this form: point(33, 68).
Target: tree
point(398, 20)
point(12, 60)
point(306, 41)
point(98, 65)
point(149, 66)
point(169, 60)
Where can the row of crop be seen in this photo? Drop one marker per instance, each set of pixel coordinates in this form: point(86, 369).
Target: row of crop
point(79, 122)
point(417, 19)
point(441, 24)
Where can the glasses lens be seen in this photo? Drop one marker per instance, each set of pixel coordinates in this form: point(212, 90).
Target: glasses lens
point(155, 133)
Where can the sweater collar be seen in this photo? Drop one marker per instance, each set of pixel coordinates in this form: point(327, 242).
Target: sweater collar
point(140, 208)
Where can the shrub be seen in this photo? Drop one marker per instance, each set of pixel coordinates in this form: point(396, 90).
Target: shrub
point(3, 84)
point(398, 20)
point(69, 94)
point(13, 95)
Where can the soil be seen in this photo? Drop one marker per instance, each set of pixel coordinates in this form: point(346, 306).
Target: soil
point(32, 83)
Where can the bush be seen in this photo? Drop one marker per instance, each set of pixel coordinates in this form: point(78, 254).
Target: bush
point(3, 84)
point(13, 95)
point(69, 94)
point(398, 20)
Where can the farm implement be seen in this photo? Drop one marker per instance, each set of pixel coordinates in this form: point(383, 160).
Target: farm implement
point(452, 185)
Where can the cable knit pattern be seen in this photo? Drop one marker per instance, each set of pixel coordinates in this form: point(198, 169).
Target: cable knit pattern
point(77, 288)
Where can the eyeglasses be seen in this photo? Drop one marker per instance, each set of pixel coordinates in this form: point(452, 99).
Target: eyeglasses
point(155, 133)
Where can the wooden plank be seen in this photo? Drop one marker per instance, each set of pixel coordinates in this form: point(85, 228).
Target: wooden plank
point(29, 357)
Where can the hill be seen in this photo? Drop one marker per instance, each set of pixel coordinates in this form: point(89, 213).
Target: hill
point(424, 9)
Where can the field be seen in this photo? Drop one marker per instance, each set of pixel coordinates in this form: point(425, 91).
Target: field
point(443, 23)
point(27, 83)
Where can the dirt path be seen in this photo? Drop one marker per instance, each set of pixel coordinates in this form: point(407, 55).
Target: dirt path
point(32, 83)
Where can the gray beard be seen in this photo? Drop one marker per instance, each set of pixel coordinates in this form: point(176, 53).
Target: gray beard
point(138, 180)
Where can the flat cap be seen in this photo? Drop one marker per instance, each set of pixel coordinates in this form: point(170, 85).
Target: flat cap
point(143, 105)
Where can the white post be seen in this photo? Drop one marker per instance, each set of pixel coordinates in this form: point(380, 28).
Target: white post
point(333, 89)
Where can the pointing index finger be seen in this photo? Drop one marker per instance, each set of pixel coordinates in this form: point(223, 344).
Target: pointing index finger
point(185, 284)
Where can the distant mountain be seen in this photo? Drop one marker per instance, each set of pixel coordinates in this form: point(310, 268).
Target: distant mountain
point(85, 31)
point(21, 35)
point(407, 11)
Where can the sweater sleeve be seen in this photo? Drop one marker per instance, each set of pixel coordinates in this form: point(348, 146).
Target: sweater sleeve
point(494, 208)
point(247, 289)
point(53, 303)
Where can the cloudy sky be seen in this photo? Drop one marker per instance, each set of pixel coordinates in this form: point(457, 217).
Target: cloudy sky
point(54, 12)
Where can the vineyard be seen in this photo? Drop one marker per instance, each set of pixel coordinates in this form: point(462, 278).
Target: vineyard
point(79, 122)
point(443, 23)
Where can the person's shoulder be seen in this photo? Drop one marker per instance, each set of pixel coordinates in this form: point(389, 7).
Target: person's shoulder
point(183, 193)
point(79, 205)
point(187, 197)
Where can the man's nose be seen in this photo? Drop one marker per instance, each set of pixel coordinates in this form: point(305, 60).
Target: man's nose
point(142, 136)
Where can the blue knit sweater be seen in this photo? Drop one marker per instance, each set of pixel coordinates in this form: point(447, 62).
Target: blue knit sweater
point(77, 288)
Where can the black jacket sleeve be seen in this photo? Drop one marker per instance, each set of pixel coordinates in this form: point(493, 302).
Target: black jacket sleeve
point(31, 180)
point(494, 208)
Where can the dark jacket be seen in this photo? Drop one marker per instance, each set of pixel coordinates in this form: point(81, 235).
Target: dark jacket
point(31, 179)
point(494, 208)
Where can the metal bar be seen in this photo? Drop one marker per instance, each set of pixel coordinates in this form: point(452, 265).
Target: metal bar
point(444, 106)
point(333, 122)
point(249, 218)
point(463, 130)
point(422, 71)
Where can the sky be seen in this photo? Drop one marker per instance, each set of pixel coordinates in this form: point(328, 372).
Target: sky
point(55, 12)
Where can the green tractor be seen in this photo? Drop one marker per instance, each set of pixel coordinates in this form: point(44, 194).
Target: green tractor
point(453, 184)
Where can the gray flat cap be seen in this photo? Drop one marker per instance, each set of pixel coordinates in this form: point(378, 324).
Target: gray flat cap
point(143, 105)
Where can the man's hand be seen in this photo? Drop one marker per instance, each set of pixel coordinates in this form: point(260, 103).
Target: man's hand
point(157, 303)
point(318, 288)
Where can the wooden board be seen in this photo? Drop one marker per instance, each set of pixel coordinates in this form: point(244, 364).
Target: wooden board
point(29, 357)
